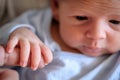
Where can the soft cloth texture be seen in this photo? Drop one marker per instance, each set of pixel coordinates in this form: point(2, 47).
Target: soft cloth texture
point(9, 9)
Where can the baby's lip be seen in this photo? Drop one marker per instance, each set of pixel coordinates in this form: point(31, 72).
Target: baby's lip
point(90, 49)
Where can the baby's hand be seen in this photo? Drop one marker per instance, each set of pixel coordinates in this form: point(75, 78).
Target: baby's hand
point(32, 51)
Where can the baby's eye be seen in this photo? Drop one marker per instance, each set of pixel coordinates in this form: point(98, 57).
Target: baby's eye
point(114, 22)
point(81, 17)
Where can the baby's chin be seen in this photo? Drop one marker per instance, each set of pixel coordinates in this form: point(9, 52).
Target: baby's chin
point(94, 54)
point(91, 55)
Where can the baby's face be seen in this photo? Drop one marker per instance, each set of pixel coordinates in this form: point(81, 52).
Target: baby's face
point(91, 27)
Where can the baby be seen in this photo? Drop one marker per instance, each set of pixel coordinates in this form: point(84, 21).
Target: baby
point(82, 35)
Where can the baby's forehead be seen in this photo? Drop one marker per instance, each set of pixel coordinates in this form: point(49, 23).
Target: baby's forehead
point(94, 2)
point(101, 4)
point(105, 7)
point(113, 5)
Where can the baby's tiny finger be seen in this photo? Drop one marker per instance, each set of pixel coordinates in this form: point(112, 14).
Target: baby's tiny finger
point(35, 56)
point(47, 54)
point(24, 52)
point(41, 64)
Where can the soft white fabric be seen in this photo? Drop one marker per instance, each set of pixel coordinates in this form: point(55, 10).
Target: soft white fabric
point(65, 65)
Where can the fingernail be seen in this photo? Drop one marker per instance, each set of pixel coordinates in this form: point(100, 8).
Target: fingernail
point(9, 50)
point(23, 64)
point(46, 64)
point(34, 68)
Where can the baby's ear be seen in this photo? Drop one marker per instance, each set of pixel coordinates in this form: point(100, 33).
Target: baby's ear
point(55, 8)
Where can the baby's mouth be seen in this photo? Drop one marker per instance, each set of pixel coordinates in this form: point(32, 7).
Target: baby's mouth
point(89, 49)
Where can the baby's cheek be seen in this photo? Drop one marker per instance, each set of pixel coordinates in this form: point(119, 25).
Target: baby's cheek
point(113, 48)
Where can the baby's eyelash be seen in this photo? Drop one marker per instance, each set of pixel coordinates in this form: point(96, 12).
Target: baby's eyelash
point(114, 21)
point(81, 17)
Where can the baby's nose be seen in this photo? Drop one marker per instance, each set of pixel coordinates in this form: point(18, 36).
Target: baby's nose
point(96, 32)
